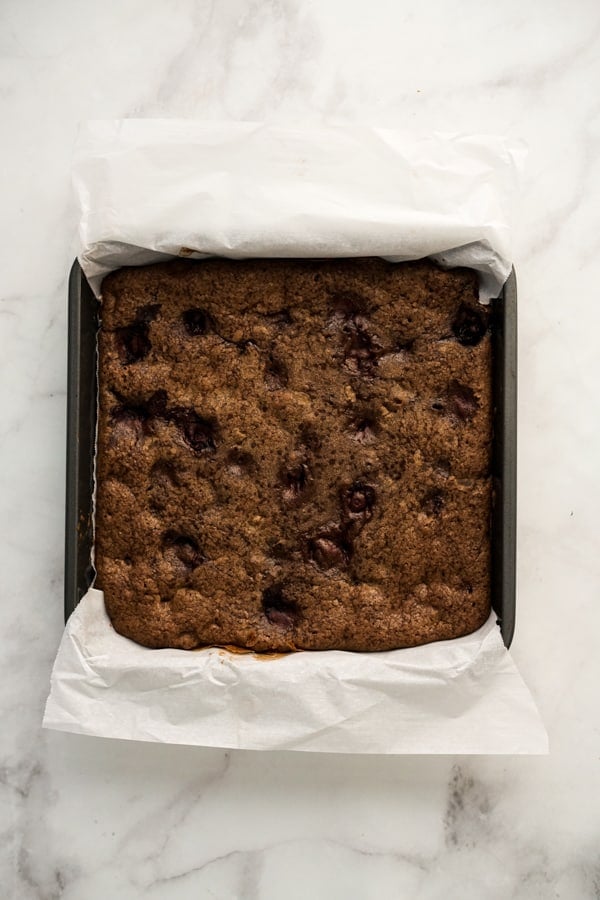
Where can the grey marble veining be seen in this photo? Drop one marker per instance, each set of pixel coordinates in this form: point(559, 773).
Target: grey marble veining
point(83, 819)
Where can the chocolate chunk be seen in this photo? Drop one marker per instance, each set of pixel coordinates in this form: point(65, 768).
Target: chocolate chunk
point(277, 609)
point(138, 416)
point(358, 501)
point(184, 547)
point(280, 319)
point(327, 553)
point(362, 350)
point(433, 503)
point(443, 467)
point(240, 461)
point(157, 404)
point(330, 549)
point(469, 325)
point(129, 421)
point(364, 431)
point(133, 416)
point(198, 433)
point(196, 321)
point(346, 304)
point(404, 345)
point(280, 550)
point(361, 353)
point(133, 343)
point(276, 376)
point(147, 314)
point(245, 345)
point(295, 480)
point(462, 401)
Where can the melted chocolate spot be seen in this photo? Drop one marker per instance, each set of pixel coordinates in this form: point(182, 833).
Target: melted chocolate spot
point(239, 460)
point(358, 501)
point(246, 345)
point(276, 376)
point(157, 404)
point(280, 550)
point(198, 433)
point(196, 321)
point(404, 345)
point(462, 401)
point(138, 416)
point(327, 553)
point(282, 617)
point(184, 547)
point(296, 480)
point(132, 416)
point(362, 352)
point(469, 325)
point(346, 304)
point(433, 503)
point(330, 549)
point(277, 609)
point(130, 420)
point(443, 467)
point(365, 431)
point(147, 314)
point(280, 319)
point(133, 343)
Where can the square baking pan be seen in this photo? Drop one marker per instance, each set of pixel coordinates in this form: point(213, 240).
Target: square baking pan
point(83, 319)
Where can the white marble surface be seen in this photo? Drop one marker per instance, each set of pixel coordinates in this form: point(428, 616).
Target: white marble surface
point(85, 818)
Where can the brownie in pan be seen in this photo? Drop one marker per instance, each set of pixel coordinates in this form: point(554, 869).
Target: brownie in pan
point(294, 454)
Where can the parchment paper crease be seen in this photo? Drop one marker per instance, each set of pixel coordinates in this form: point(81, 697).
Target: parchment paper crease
point(460, 696)
point(152, 189)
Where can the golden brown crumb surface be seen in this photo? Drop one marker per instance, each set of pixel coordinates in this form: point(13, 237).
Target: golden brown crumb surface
point(294, 454)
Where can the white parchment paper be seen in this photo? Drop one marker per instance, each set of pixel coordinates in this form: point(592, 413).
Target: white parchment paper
point(150, 190)
point(460, 696)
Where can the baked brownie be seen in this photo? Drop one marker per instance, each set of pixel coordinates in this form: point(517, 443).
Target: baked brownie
point(294, 454)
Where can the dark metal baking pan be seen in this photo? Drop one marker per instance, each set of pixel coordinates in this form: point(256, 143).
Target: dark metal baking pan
point(81, 431)
point(82, 319)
